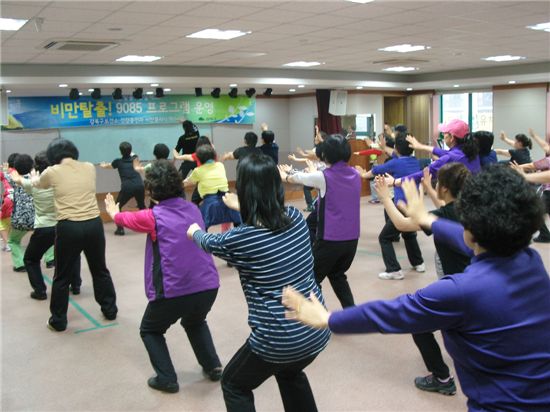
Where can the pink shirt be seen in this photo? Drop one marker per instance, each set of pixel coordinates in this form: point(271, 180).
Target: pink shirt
point(141, 221)
point(543, 164)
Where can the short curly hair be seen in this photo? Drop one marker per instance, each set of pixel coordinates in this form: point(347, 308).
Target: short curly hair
point(500, 209)
point(163, 181)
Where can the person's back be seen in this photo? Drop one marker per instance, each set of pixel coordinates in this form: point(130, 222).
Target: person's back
point(181, 273)
point(505, 299)
point(125, 168)
point(74, 185)
point(267, 261)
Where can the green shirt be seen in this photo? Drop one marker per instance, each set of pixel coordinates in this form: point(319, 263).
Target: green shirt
point(44, 207)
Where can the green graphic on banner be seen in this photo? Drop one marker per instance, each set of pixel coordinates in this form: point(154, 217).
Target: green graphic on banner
point(61, 112)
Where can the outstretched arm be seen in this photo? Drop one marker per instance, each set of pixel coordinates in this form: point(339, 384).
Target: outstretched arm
point(503, 152)
point(505, 138)
point(540, 141)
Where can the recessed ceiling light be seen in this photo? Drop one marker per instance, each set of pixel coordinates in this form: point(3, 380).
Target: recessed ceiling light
point(360, 1)
point(11, 24)
point(216, 34)
point(63, 85)
point(233, 85)
point(8, 91)
point(456, 85)
point(540, 26)
point(504, 58)
point(90, 90)
point(512, 82)
point(167, 90)
point(80, 93)
point(301, 86)
point(141, 59)
point(405, 48)
point(150, 93)
point(400, 69)
point(359, 87)
point(154, 84)
point(291, 90)
point(409, 89)
point(302, 64)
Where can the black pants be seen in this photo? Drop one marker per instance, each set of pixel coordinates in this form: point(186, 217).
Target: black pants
point(307, 195)
point(186, 167)
point(431, 354)
point(131, 191)
point(333, 259)
point(388, 233)
point(72, 238)
point(41, 240)
point(161, 314)
point(246, 371)
point(544, 233)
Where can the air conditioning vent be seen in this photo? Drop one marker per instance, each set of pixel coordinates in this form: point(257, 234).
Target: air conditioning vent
point(79, 45)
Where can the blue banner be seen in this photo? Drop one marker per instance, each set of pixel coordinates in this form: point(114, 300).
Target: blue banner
point(61, 112)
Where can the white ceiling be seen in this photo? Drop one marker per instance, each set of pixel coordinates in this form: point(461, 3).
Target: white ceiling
point(345, 36)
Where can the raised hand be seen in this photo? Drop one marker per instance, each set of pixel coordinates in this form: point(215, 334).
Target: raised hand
point(311, 167)
point(231, 201)
point(413, 142)
point(307, 311)
point(111, 207)
point(382, 189)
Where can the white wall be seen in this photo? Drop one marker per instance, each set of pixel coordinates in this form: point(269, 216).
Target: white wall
point(515, 111)
point(302, 113)
point(368, 103)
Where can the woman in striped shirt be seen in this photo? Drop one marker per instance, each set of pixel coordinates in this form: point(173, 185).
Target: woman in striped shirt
point(270, 250)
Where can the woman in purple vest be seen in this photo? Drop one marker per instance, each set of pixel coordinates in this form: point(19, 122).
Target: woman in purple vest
point(181, 281)
point(463, 149)
point(339, 187)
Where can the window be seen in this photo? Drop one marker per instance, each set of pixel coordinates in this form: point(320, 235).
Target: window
point(476, 109)
point(455, 106)
point(482, 111)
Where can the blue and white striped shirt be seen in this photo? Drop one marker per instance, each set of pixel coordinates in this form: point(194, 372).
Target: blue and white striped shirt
point(268, 261)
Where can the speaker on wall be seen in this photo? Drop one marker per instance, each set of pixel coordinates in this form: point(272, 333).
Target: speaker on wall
point(338, 102)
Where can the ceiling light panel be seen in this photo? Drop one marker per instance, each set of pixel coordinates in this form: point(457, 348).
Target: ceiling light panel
point(405, 48)
point(11, 24)
point(504, 58)
point(541, 26)
point(217, 34)
point(400, 69)
point(302, 64)
point(140, 59)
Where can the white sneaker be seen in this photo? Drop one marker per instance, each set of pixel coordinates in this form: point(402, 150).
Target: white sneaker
point(391, 275)
point(420, 268)
point(6, 248)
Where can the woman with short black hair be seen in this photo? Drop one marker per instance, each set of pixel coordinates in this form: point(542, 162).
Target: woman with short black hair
point(181, 281)
point(338, 214)
point(270, 249)
point(79, 228)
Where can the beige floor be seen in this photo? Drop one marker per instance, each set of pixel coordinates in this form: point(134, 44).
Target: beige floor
point(105, 369)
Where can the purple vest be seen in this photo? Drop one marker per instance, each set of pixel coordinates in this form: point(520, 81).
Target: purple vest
point(174, 265)
point(339, 210)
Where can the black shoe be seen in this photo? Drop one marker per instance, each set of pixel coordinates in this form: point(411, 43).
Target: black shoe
point(19, 269)
point(76, 291)
point(38, 296)
point(431, 384)
point(539, 239)
point(119, 232)
point(50, 264)
point(170, 387)
point(109, 316)
point(214, 374)
point(55, 328)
